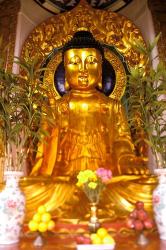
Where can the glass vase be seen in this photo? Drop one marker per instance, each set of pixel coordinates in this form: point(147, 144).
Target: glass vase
point(94, 221)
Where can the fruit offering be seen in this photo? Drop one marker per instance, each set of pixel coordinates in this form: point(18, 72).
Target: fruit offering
point(102, 237)
point(99, 238)
point(139, 218)
point(41, 221)
point(83, 240)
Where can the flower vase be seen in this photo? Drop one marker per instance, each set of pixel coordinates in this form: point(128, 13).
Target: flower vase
point(93, 222)
point(12, 205)
point(159, 203)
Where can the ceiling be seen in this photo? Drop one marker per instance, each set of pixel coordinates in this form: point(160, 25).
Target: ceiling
point(57, 6)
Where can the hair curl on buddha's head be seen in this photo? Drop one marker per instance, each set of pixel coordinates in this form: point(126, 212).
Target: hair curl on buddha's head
point(83, 39)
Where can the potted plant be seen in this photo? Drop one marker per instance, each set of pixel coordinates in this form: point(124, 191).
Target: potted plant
point(146, 97)
point(146, 100)
point(22, 105)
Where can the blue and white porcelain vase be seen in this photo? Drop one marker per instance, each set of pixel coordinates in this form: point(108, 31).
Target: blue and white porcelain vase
point(159, 203)
point(12, 209)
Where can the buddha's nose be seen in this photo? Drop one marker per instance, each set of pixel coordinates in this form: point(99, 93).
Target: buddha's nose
point(83, 67)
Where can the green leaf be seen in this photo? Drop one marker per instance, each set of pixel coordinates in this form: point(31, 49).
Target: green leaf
point(154, 43)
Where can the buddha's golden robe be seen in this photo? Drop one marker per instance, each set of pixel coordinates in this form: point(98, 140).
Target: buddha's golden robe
point(91, 131)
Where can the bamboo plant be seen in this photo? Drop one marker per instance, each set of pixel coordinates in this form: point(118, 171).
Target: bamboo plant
point(146, 99)
point(23, 104)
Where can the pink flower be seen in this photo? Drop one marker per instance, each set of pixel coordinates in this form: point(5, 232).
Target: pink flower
point(11, 204)
point(104, 174)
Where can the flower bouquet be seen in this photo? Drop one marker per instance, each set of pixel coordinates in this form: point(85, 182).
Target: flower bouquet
point(93, 183)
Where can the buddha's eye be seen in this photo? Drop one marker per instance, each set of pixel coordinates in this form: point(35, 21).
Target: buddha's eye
point(74, 60)
point(91, 60)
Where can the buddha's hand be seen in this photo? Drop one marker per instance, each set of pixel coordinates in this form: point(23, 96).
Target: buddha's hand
point(130, 164)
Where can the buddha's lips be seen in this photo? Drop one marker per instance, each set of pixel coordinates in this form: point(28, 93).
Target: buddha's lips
point(83, 79)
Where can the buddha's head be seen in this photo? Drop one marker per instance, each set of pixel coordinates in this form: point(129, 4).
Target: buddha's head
point(83, 57)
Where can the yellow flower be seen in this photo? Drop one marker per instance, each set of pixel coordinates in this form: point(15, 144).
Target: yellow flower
point(90, 174)
point(92, 185)
point(85, 177)
point(82, 179)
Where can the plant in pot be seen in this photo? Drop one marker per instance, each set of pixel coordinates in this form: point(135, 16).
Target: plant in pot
point(22, 104)
point(146, 98)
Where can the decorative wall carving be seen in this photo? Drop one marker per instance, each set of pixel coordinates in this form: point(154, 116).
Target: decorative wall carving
point(57, 6)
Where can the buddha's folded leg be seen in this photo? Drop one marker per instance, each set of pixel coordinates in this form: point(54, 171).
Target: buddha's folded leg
point(65, 201)
point(124, 191)
point(53, 195)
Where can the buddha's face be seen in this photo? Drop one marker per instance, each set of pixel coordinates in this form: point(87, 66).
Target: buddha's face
point(83, 68)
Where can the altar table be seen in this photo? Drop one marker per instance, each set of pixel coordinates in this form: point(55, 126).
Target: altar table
point(66, 242)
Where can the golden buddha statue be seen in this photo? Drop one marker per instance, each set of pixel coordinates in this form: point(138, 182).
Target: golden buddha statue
point(90, 131)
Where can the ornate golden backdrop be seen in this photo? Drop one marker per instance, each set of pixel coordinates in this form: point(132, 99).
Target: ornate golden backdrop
point(107, 27)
